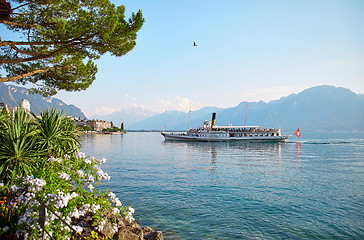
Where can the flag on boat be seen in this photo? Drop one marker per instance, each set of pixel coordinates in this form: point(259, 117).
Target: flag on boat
point(298, 133)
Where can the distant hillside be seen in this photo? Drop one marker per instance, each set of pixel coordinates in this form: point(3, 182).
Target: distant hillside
point(175, 120)
point(318, 108)
point(126, 116)
point(12, 95)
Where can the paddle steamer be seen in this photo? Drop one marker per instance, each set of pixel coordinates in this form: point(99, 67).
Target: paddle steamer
point(211, 132)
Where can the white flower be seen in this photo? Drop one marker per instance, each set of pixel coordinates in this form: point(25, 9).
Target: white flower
point(129, 214)
point(34, 203)
point(91, 179)
point(86, 206)
point(52, 159)
point(26, 235)
point(82, 212)
point(117, 202)
point(90, 187)
point(1, 184)
point(5, 228)
point(114, 227)
point(84, 209)
point(102, 174)
point(114, 199)
point(78, 229)
point(131, 210)
point(94, 208)
point(81, 155)
point(99, 172)
point(80, 173)
point(115, 211)
point(102, 160)
point(64, 176)
point(101, 225)
point(73, 195)
point(66, 228)
point(111, 195)
point(14, 188)
point(107, 177)
point(88, 161)
point(63, 199)
point(129, 218)
point(75, 213)
point(36, 184)
point(68, 220)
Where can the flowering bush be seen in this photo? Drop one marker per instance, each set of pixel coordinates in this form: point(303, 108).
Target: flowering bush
point(59, 199)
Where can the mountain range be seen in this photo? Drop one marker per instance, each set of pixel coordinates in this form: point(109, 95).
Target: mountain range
point(12, 95)
point(127, 116)
point(318, 108)
point(325, 108)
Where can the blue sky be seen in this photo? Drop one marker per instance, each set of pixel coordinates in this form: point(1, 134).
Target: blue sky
point(247, 50)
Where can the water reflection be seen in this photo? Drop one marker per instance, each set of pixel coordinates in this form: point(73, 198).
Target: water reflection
point(101, 142)
point(298, 150)
point(215, 155)
point(217, 148)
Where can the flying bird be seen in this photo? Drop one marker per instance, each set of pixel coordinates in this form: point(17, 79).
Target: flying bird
point(194, 44)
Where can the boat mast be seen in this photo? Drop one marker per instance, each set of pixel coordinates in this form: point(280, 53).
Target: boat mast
point(189, 116)
point(246, 113)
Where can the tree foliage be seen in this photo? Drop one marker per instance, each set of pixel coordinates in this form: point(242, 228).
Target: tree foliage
point(61, 39)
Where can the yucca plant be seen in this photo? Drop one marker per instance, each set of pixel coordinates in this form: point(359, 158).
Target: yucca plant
point(4, 119)
point(27, 141)
point(57, 134)
point(17, 146)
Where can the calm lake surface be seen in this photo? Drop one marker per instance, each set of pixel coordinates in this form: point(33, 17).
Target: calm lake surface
point(308, 188)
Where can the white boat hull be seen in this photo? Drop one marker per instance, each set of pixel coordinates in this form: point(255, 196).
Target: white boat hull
point(185, 137)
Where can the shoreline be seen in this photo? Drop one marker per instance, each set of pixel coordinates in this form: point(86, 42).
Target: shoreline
point(107, 133)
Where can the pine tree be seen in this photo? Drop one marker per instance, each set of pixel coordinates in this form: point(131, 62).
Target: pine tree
point(61, 39)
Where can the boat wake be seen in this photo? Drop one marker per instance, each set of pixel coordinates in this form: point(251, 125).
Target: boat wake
point(330, 142)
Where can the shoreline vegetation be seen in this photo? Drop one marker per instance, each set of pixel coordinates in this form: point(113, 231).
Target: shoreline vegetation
point(95, 132)
point(47, 186)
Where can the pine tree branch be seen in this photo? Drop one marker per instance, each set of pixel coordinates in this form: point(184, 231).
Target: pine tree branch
point(16, 24)
point(24, 75)
point(20, 6)
point(21, 51)
point(9, 43)
point(43, 56)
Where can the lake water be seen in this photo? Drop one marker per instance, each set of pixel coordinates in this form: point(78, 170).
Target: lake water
point(308, 188)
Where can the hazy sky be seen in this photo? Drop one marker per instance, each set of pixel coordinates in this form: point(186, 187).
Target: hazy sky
point(247, 50)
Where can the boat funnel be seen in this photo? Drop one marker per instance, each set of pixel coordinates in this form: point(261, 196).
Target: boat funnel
point(213, 119)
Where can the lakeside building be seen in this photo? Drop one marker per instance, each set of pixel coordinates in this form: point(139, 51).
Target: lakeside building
point(79, 121)
point(24, 104)
point(97, 125)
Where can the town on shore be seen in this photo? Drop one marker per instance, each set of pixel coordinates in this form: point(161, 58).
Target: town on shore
point(88, 126)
